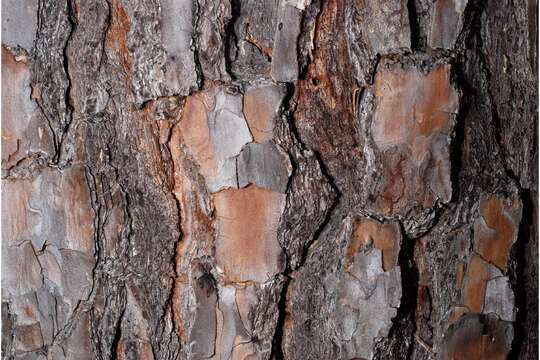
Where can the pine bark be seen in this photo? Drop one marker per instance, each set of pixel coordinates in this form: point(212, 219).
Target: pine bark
point(281, 179)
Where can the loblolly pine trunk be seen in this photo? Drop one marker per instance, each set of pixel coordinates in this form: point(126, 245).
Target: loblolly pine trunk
point(279, 179)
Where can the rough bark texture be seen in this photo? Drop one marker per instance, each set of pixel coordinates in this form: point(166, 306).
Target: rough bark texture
point(278, 179)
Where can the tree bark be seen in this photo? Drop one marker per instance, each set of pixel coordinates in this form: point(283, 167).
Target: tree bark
point(282, 179)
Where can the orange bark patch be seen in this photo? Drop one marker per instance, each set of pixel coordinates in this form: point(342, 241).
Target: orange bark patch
point(118, 34)
point(214, 130)
point(411, 128)
point(474, 290)
point(196, 135)
point(246, 246)
point(496, 231)
point(412, 104)
point(385, 237)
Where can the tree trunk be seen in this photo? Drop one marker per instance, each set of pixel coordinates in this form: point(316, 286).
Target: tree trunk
point(277, 179)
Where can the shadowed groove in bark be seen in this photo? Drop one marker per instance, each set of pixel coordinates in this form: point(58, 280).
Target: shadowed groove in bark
point(65, 63)
point(98, 234)
point(525, 288)
point(456, 146)
point(117, 335)
point(230, 37)
point(288, 114)
point(403, 324)
point(469, 94)
point(310, 18)
point(194, 37)
point(526, 285)
point(277, 350)
point(413, 23)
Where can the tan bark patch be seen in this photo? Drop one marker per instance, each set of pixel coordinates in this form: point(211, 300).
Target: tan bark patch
point(22, 130)
point(460, 270)
point(496, 231)
point(412, 104)
point(194, 127)
point(214, 130)
point(54, 207)
point(474, 290)
point(385, 237)
point(246, 246)
point(411, 128)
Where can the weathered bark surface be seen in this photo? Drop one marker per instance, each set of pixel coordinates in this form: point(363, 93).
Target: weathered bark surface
point(281, 179)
